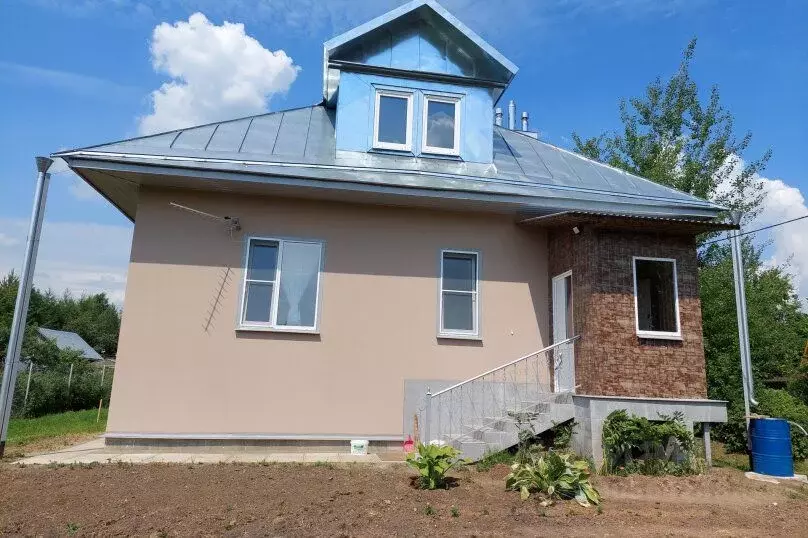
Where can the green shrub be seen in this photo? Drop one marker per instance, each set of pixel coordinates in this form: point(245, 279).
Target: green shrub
point(48, 391)
point(553, 476)
point(432, 463)
point(775, 403)
point(633, 444)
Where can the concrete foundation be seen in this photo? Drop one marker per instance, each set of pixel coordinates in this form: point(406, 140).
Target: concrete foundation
point(591, 411)
point(267, 446)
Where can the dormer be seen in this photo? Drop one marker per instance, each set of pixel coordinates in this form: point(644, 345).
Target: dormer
point(415, 82)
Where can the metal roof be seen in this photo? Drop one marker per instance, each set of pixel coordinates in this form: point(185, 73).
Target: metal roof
point(65, 340)
point(300, 144)
point(624, 221)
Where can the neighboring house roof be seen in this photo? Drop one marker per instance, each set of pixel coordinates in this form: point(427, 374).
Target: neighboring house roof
point(298, 145)
point(66, 340)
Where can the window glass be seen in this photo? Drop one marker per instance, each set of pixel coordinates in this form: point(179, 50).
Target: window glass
point(458, 311)
point(392, 119)
point(294, 288)
point(300, 268)
point(440, 124)
point(259, 302)
point(656, 296)
point(458, 293)
point(263, 259)
point(459, 272)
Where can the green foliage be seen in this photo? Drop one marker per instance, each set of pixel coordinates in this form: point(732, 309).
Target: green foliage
point(562, 435)
point(429, 510)
point(780, 404)
point(490, 459)
point(433, 462)
point(672, 136)
point(93, 317)
point(553, 476)
point(634, 444)
point(455, 511)
point(48, 391)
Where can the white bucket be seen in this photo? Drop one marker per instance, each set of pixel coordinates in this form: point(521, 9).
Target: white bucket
point(359, 447)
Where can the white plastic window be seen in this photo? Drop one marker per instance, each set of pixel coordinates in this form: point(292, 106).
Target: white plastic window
point(392, 127)
point(459, 290)
point(281, 284)
point(441, 125)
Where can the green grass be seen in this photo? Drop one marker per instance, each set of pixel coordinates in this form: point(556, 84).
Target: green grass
point(741, 461)
point(490, 459)
point(23, 431)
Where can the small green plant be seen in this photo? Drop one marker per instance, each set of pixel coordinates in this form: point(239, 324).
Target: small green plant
point(490, 459)
point(553, 476)
point(326, 464)
point(72, 528)
point(455, 511)
point(429, 510)
point(633, 444)
point(432, 463)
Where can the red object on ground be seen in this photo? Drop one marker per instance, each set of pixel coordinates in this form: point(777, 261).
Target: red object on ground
point(409, 444)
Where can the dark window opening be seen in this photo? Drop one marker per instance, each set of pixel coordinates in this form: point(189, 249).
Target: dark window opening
point(656, 296)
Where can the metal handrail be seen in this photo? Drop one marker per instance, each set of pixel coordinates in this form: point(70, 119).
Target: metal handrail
point(543, 350)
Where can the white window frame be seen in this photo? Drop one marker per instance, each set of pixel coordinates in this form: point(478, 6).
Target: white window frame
point(272, 324)
point(662, 335)
point(407, 146)
point(455, 151)
point(453, 333)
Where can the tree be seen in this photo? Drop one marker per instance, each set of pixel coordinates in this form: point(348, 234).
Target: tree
point(674, 137)
point(93, 317)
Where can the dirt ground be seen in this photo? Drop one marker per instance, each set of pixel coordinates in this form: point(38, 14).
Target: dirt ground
point(367, 500)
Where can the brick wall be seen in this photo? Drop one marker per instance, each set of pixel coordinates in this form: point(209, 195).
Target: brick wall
point(609, 358)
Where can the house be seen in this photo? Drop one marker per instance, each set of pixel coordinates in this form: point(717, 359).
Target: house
point(65, 340)
point(310, 276)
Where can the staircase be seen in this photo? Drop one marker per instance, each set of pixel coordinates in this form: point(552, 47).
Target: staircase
point(483, 414)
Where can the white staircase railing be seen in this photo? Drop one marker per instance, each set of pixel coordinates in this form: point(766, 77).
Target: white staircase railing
point(454, 412)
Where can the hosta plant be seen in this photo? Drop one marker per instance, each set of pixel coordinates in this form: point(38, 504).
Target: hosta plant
point(553, 476)
point(433, 462)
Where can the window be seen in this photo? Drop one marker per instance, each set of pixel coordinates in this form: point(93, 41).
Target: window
point(459, 289)
point(441, 125)
point(393, 122)
point(656, 298)
point(281, 284)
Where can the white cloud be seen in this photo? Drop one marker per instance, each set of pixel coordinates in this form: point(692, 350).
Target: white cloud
point(790, 241)
point(217, 73)
point(81, 257)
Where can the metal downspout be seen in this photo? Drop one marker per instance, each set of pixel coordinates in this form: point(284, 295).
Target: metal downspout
point(23, 296)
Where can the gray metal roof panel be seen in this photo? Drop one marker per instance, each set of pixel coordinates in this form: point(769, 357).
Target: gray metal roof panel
point(67, 340)
point(303, 141)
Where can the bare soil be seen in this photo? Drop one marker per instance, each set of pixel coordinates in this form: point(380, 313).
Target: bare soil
point(375, 500)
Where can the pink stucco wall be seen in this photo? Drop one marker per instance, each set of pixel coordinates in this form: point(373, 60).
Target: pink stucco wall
point(183, 368)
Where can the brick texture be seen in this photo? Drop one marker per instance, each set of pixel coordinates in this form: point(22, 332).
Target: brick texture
point(610, 359)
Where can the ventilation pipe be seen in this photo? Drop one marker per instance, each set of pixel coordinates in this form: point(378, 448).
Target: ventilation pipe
point(524, 121)
point(498, 116)
point(511, 115)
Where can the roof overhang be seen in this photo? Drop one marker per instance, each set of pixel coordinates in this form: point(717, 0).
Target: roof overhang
point(118, 178)
point(622, 221)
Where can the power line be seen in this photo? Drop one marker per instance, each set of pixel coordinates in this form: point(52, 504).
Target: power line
point(758, 230)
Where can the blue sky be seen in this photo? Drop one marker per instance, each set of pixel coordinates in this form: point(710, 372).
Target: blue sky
point(80, 72)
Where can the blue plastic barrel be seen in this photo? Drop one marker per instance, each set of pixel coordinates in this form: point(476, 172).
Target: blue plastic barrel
point(770, 439)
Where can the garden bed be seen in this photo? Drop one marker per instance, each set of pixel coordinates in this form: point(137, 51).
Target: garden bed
point(361, 500)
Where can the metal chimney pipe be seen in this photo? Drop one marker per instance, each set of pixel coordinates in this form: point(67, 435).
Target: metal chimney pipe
point(524, 121)
point(498, 116)
point(511, 115)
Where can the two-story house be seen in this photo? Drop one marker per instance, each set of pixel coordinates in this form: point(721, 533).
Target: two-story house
point(310, 276)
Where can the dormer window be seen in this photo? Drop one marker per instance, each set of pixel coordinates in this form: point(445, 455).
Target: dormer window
point(392, 128)
point(441, 125)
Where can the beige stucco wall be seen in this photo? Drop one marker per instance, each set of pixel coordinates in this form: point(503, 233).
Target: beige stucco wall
point(183, 368)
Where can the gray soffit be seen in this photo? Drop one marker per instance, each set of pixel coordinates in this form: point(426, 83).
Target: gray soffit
point(296, 148)
point(65, 340)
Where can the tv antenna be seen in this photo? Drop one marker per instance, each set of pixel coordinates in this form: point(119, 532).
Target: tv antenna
point(233, 223)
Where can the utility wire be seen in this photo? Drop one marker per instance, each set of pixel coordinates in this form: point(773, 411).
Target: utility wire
point(758, 230)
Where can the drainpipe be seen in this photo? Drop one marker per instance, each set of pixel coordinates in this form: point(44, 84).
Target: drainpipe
point(743, 327)
point(524, 121)
point(511, 115)
point(23, 295)
point(498, 116)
